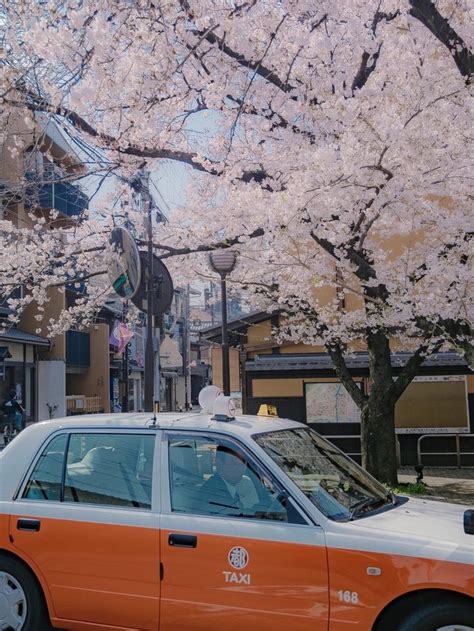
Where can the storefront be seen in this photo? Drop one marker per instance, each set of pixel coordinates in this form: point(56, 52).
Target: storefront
point(18, 352)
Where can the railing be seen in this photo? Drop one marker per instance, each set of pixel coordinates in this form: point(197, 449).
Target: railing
point(333, 438)
point(78, 349)
point(79, 404)
point(358, 454)
point(458, 453)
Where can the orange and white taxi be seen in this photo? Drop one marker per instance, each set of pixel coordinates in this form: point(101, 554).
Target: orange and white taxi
point(210, 521)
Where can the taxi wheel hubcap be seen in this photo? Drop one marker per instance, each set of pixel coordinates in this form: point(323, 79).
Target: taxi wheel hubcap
point(12, 603)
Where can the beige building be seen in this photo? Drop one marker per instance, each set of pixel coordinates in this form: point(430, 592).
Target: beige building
point(69, 372)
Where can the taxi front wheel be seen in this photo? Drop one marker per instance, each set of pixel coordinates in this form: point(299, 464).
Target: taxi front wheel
point(21, 601)
point(445, 614)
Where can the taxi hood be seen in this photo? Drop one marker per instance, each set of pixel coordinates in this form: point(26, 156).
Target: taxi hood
point(423, 518)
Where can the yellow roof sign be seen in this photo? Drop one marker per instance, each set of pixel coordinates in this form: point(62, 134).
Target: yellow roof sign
point(267, 410)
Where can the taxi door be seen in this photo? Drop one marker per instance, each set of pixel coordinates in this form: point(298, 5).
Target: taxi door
point(95, 552)
point(252, 571)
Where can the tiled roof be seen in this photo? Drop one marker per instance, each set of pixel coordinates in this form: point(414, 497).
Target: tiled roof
point(23, 337)
point(322, 361)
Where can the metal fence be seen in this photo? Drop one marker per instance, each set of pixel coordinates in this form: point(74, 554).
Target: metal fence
point(458, 452)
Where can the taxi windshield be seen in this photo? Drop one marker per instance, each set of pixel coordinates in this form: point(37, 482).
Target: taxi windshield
point(335, 484)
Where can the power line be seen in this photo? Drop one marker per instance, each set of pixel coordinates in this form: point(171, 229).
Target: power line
point(163, 201)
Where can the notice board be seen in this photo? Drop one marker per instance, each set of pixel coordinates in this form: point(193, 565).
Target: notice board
point(435, 404)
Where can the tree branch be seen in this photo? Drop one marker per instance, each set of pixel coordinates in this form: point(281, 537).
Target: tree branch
point(426, 12)
point(411, 368)
point(219, 245)
point(78, 279)
point(345, 376)
point(256, 66)
point(36, 104)
point(367, 66)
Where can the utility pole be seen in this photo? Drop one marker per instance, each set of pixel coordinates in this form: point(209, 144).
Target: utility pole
point(153, 279)
point(125, 367)
point(186, 350)
point(149, 346)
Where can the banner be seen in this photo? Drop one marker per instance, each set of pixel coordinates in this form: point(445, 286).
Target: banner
point(120, 336)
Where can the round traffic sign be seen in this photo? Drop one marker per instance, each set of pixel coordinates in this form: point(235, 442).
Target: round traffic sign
point(162, 283)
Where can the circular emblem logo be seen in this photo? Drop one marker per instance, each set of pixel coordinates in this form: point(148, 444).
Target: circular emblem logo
point(238, 557)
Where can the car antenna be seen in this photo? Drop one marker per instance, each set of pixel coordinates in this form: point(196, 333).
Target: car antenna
point(153, 422)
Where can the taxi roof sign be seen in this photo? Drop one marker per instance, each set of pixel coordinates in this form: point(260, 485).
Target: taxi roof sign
point(266, 409)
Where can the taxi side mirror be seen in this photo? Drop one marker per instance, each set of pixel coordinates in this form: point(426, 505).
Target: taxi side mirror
point(469, 522)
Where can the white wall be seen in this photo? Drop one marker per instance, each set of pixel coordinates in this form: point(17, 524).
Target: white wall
point(180, 393)
point(16, 350)
point(51, 382)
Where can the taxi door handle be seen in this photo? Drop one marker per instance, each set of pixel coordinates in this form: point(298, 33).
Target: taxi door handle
point(32, 525)
point(182, 541)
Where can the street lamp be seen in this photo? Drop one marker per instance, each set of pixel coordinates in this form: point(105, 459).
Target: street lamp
point(223, 262)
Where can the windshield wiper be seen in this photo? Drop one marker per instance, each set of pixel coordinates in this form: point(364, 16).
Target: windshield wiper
point(369, 503)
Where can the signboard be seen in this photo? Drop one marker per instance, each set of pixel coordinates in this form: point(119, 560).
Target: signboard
point(162, 283)
point(124, 266)
point(433, 405)
point(330, 403)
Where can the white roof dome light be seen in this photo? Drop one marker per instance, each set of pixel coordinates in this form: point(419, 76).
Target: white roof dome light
point(224, 409)
point(207, 397)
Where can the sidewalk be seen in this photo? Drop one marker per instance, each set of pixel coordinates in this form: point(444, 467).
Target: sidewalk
point(444, 484)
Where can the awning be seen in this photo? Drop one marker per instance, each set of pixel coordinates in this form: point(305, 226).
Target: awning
point(169, 374)
point(322, 361)
point(24, 337)
point(214, 332)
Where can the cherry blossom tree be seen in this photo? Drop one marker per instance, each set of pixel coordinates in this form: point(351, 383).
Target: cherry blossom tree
point(327, 141)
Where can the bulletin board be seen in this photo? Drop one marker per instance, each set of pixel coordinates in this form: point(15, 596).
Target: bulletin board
point(435, 404)
point(329, 403)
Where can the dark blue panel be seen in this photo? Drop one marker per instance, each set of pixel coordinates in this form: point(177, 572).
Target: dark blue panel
point(64, 197)
point(78, 348)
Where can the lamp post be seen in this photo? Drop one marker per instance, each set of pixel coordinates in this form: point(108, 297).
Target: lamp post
point(223, 262)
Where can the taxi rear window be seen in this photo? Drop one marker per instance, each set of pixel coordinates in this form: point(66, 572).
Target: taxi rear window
point(95, 468)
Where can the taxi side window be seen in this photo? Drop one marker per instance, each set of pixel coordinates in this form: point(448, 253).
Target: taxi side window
point(46, 478)
point(215, 477)
point(104, 469)
point(110, 469)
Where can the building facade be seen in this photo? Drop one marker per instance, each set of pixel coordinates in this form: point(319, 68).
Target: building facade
point(36, 181)
point(300, 381)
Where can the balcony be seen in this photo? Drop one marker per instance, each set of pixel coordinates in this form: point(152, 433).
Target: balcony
point(78, 349)
point(66, 198)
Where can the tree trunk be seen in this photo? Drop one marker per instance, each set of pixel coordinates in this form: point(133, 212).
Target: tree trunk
point(378, 440)
point(378, 446)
